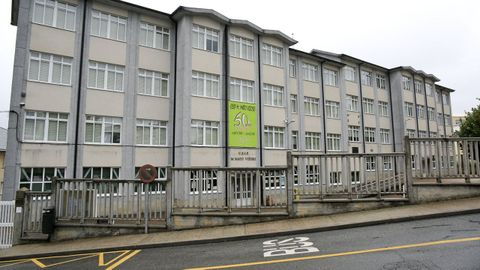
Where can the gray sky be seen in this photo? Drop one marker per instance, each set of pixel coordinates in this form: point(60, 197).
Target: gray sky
point(437, 36)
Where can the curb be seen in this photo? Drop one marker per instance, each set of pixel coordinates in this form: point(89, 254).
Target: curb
point(251, 236)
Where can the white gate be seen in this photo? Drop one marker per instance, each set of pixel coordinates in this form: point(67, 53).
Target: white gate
point(7, 213)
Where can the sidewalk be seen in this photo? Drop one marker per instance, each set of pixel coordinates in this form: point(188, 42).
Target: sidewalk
point(281, 227)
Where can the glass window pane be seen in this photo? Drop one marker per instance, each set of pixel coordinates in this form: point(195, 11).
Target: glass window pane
point(39, 130)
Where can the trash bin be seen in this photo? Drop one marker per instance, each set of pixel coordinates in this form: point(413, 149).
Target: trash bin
point(48, 220)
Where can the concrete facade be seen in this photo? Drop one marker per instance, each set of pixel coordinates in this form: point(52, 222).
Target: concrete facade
point(190, 46)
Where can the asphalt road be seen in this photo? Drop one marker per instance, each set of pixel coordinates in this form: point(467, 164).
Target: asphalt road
point(443, 243)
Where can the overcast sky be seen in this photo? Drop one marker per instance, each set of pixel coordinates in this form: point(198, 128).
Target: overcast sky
point(439, 37)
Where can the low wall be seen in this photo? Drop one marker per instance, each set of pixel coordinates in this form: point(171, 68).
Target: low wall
point(305, 209)
point(72, 232)
point(430, 192)
point(181, 222)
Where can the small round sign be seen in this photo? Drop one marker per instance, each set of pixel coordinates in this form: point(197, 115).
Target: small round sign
point(147, 173)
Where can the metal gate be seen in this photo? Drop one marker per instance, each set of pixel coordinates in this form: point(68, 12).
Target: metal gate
point(7, 213)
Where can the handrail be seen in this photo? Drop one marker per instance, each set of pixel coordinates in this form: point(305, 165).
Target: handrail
point(302, 154)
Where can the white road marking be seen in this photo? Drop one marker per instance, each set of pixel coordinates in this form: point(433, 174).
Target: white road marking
point(289, 246)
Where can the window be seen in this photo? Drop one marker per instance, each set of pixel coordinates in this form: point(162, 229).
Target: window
point(418, 87)
point(108, 26)
point(39, 179)
point(204, 133)
point(439, 97)
point(152, 83)
point(45, 126)
point(105, 76)
point(408, 109)
point(107, 173)
point(335, 178)
point(381, 81)
point(368, 106)
point(433, 134)
point(273, 137)
point(294, 139)
point(154, 36)
point(428, 89)
point(332, 108)
point(241, 90)
point(105, 130)
point(422, 134)
point(350, 73)
point(369, 135)
point(151, 132)
point(312, 141)
point(445, 99)
point(440, 119)
point(205, 84)
point(383, 109)
point(355, 176)
point(208, 183)
point(241, 47)
point(273, 95)
point(406, 83)
point(431, 113)
point(384, 136)
point(50, 68)
point(54, 13)
point(420, 111)
point(333, 142)
point(387, 163)
point(448, 120)
point(294, 103)
point(353, 133)
point(352, 103)
point(366, 78)
point(292, 68)
point(310, 72)
point(312, 106)
point(161, 176)
point(411, 133)
point(205, 38)
point(312, 174)
point(330, 77)
point(272, 55)
point(370, 164)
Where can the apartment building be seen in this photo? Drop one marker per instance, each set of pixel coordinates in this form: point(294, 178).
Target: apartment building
point(104, 86)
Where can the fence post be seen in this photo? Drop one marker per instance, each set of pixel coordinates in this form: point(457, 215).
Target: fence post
point(170, 196)
point(18, 220)
point(289, 184)
point(408, 167)
point(439, 161)
point(466, 162)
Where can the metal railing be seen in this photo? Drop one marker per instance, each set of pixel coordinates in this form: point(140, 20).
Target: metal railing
point(112, 202)
point(7, 213)
point(443, 158)
point(229, 189)
point(348, 176)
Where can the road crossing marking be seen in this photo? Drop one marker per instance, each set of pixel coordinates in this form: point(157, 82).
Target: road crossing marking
point(289, 246)
point(324, 256)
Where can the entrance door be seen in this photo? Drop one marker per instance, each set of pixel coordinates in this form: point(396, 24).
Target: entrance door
point(242, 185)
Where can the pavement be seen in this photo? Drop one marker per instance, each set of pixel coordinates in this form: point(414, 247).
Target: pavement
point(248, 231)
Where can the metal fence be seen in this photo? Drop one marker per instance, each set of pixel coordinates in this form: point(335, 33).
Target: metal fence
point(229, 189)
point(348, 176)
point(443, 158)
point(113, 202)
point(7, 214)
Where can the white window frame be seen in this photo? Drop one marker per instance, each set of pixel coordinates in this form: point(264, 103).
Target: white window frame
point(50, 120)
point(369, 134)
point(352, 103)
point(368, 106)
point(385, 136)
point(295, 139)
point(114, 173)
point(209, 181)
point(272, 55)
point(274, 137)
point(387, 163)
point(366, 77)
point(350, 73)
point(205, 84)
point(148, 80)
point(110, 21)
point(312, 141)
point(152, 127)
point(429, 89)
point(370, 164)
point(293, 103)
point(381, 80)
point(274, 95)
point(69, 9)
point(154, 36)
point(333, 142)
point(417, 85)
point(420, 111)
point(105, 123)
point(202, 36)
point(211, 128)
point(28, 180)
point(383, 109)
point(330, 77)
point(292, 68)
point(312, 106)
point(241, 47)
point(242, 90)
point(409, 111)
point(108, 70)
point(406, 83)
point(353, 133)
point(52, 60)
point(431, 113)
point(332, 109)
point(310, 72)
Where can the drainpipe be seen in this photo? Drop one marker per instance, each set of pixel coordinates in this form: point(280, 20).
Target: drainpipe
point(174, 93)
point(324, 118)
point(391, 112)
point(226, 79)
point(362, 116)
point(80, 75)
point(260, 105)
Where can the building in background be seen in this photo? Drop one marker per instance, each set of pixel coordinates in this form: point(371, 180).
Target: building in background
point(125, 85)
point(457, 122)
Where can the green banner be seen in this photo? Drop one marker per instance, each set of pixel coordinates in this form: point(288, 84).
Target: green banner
point(242, 124)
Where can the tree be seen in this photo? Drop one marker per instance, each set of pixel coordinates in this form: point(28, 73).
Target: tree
point(470, 127)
